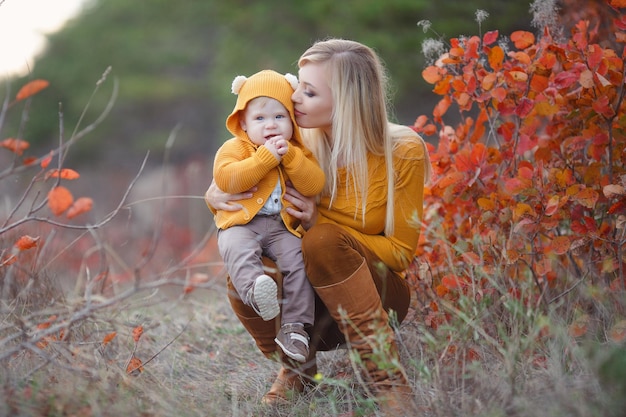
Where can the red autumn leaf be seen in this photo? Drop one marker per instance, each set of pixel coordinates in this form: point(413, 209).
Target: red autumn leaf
point(539, 83)
point(451, 178)
point(584, 225)
point(17, 146)
point(430, 129)
point(521, 57)
point(499, 93)
point(29, 160)
point(46, 161)
point(137, 332)
point(472, 45)
point(431, 74)
point(135, 366)
point(586, 197)
point(472, 258)
point(620, 22)
point(594, 56)
point(443, 87)
point(108, 338)
point(522, 39)
point(59, 200)
point(514, 186)
point(27, 242)
point(552, 206)
point(511, 256)
point(618, 3)
point(602, 106)
point(441, 290)
point(31, 88)
point(517, 75)
point(565, 79)
point(560, 244)
point(524, 108)
point(80, 206)
point(47, 323)
point(420, 122)
point(65, 173)
point(490, 37)
point(617, 208)
point(543, 267)
point(441, 108)
point(489, 81)
point(495, 56)
point(457, 52)
point(579, 326)
point(451, 282)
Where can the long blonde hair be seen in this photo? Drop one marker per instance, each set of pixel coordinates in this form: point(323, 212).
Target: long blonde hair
point(358, 82)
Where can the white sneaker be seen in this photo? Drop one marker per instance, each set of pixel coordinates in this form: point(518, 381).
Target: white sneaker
point(263, 297)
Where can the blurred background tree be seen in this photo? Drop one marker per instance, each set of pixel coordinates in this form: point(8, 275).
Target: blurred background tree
point(175, 61)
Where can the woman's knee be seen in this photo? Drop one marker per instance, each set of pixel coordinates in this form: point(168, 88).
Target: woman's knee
point(321, 241)
point(330, 254)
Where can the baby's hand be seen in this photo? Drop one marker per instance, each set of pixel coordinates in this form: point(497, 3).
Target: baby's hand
point(270, 144)
point(280, 145)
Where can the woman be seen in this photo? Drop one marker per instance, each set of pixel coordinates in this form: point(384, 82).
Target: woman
point(362, 232)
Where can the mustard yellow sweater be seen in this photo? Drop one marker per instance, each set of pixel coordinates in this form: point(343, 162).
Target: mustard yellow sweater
point(398, 249)
point(239, 165)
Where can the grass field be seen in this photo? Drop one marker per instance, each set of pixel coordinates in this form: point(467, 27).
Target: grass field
point(198, 361)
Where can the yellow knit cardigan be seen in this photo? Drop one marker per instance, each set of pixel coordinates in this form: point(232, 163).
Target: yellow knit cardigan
point(239, 165)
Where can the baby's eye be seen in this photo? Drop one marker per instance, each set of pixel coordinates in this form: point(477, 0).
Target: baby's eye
point(259, 118)
point(280, 116)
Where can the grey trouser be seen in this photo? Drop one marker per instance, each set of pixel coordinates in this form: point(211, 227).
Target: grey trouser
point(242, 247)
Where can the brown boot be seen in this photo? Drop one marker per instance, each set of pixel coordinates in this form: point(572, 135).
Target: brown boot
point(288, 383)
point(355, 305)
point(263, 332)
point(293, 377)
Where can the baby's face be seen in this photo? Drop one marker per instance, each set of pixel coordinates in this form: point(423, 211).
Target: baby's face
point(265, 118)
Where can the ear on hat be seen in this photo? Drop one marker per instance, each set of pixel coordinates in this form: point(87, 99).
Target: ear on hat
point(293, 80)
point(238, 82)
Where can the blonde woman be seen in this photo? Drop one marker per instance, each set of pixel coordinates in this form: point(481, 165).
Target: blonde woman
point(362, 230)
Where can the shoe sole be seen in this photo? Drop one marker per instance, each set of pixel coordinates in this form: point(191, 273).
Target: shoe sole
point(266, 297)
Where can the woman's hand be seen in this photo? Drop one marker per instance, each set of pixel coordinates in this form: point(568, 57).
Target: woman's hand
point(305, 208)
point(220, 200)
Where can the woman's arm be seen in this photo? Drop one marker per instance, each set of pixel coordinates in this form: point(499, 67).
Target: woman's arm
point(397, 249)
point(304, 208)
point(217, 199)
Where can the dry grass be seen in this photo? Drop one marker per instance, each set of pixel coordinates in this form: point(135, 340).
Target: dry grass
point(207, 365)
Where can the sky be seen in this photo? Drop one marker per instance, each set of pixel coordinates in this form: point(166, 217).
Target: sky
point(23, 26)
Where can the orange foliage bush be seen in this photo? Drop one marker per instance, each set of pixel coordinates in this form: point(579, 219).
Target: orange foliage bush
point(531, 184)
